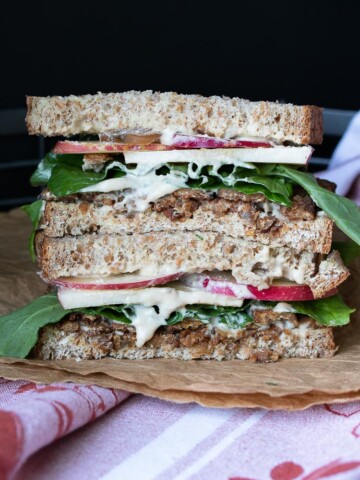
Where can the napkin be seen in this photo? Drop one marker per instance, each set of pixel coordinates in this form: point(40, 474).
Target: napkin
point(146, 439)
point(32, 416)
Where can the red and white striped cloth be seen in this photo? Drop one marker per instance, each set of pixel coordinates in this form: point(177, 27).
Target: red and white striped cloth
point(143, 438)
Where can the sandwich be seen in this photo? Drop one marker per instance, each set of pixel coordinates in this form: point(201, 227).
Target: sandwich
point(181, 226)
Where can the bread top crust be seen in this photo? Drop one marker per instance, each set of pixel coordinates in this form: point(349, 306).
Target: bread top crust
point(136, 111)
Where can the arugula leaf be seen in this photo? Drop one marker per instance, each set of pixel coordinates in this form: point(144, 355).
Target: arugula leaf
point(43, 173)
point(348, 250)
point(274, 188)
point(330, 311)
point(19, 330)
point(250, 188)
point(273, 184)
point(232, 317)
point(64, 175)
point(33, 210)
point(68, 179)
point(118, 313)
point(344, 212)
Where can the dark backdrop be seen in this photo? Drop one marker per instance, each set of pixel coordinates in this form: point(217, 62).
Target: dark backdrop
point(302, 52)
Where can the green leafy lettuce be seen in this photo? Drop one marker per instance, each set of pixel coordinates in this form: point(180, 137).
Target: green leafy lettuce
point(250, 179)
point(330, 311)
point(348, 250)
point(231, 317)
point(19, 330)
point(344, 212)
point(64, 175)
point(33, 210)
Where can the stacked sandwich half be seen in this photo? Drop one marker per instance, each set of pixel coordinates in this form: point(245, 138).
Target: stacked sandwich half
point(184, 227)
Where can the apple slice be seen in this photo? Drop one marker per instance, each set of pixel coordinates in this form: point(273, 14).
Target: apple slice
point(225, 284)
point(177, 141)
point(114, 282)
point(283, 292)
point(193, 141)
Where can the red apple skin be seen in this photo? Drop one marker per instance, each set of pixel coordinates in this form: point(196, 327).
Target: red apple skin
point(286, 293)
point(66, 282)
point(296, 293)
point(276, 293)
point(188, 141)
point(180, 142)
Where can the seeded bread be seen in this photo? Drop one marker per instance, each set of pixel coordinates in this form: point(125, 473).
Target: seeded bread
point(191, 114)
point(250, 262)
point(88, 337)
point(331, 273)
point(275, 229)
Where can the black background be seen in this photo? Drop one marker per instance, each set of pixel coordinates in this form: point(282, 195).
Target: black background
point(298, 52)
point(301, 52)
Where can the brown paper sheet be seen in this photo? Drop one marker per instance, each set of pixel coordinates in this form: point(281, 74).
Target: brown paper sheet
point(290, 384)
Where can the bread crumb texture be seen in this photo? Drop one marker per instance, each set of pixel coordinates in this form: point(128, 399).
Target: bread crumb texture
point(150, 111)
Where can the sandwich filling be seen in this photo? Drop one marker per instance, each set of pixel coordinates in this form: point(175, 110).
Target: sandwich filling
point(124, 190)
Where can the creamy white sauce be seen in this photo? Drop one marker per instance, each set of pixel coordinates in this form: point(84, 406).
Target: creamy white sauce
point(140, 190)
point(225, 156)
point(258, 306)
point(215, 322)
point(146, 320)
point(283, 307)
point(141, 185)
point(280, 307)
point(269, 268)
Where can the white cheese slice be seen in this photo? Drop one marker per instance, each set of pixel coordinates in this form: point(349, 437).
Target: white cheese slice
point(224, 156)
point(168, 299)
point(146, 319)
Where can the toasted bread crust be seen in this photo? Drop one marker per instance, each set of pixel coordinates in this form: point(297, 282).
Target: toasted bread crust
point(87, 337)
point(331, 273)
point(192, 114)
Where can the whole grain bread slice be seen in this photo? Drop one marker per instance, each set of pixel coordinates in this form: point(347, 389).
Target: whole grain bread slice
point(331, 273)
point(136, 111)
point(78, 218)
point(250, 262)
